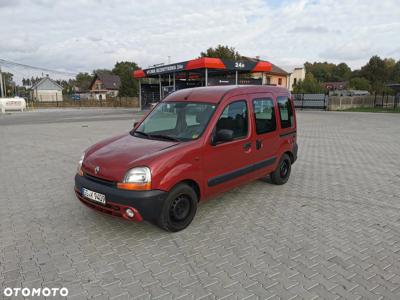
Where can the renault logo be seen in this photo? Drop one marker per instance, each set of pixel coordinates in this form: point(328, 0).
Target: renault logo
point(97, 170)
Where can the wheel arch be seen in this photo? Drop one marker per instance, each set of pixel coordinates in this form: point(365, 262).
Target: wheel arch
point(291, 156)
point(194, 185)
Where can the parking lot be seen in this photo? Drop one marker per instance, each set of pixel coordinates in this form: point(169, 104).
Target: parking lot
point(332, 232)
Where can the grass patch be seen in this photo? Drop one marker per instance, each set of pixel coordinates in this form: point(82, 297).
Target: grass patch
point(374, 109)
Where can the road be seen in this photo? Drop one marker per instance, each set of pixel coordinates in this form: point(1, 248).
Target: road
point(331, 232)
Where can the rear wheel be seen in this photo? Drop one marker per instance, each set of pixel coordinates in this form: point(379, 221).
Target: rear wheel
point(179, 208)
point(282, 172)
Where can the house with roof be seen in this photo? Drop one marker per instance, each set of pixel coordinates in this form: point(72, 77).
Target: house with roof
point(104, 85)
point(276, 76)
point(46, 90)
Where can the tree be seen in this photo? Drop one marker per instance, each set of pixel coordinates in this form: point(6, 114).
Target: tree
point(360, 83)
point(221, 51)
point(102, 71)
point(325, 72)
point(8, 82)
point(396, 73)
point(129, 85)
point(341, 72)
point(376, 72)
point(83, 80)
point(308, 86)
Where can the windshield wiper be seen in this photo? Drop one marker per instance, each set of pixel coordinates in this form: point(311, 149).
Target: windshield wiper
point(141, 133)
point(166, 137)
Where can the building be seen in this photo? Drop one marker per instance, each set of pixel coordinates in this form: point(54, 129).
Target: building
point(276, 76)
point(105, 85)
point(46, 90)
point(296, 76)
point(157, 82)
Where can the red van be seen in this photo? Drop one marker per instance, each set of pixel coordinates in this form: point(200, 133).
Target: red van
point(193, 145)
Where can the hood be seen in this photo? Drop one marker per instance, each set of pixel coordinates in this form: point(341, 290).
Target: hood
point(114, 157)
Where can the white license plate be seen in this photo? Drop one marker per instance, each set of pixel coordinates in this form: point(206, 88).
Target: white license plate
point(94, 196)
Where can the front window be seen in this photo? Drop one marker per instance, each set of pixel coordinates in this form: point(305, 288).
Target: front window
point(183, 121)
point(234, 117)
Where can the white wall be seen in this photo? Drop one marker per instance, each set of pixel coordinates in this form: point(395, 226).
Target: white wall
point(47, 95)
point(297, 74)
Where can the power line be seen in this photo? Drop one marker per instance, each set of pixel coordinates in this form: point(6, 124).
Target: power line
point(8, 63)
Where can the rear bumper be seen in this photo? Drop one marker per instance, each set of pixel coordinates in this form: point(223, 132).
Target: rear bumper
point(147, 205)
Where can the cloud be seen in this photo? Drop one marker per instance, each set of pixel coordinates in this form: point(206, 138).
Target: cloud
point(82, 35)
point(5, 3)
point(309, 29)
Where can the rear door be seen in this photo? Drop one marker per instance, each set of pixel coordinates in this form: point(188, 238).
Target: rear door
point(226, 164)
point(266, 137)
point(287, 119)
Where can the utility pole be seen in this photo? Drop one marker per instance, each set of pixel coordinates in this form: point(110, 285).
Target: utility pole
point(1, 84)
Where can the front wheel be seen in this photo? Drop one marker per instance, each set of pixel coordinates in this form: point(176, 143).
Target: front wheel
point(178, 209)
point(282, 173)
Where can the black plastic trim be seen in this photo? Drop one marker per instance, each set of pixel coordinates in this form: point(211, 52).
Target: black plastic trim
point(240, 172)
point(288, 133)
point(294, 151)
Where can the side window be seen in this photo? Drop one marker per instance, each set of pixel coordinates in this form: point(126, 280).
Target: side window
point(235, 118)
point(285, 111)
point(264, 115)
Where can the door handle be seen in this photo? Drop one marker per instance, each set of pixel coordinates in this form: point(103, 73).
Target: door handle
point(258, 144)
point(247, 146)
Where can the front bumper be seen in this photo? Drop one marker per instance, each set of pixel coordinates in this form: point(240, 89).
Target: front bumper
point(147, 205)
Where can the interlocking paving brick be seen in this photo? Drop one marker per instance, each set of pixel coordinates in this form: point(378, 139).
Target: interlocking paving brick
point(331, 232)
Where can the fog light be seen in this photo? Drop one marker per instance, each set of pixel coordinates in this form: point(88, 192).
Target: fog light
point(129, 212)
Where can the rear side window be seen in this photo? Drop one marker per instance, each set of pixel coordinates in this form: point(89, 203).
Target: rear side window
point(264, 115)
point(285, 112)
point(234, 117)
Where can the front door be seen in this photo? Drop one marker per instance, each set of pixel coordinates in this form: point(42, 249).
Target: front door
point(267, 141)
point(226, 163)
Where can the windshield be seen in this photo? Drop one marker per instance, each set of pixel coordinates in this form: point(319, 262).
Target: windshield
point(182, 121)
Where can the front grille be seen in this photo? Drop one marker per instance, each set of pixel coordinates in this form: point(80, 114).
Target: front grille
point(100, 180)
point(109, 209)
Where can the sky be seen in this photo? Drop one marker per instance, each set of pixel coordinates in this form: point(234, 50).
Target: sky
point(83, 35)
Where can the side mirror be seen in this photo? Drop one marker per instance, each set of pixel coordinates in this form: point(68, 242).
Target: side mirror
point(135, 124)
point(223, 135)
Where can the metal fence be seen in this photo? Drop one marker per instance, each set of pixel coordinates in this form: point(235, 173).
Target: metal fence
point(128, 102)
point(387, 101)
point(313, 101)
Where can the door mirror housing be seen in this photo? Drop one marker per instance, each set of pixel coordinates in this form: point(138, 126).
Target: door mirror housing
point(222, 135)
point(135, 124)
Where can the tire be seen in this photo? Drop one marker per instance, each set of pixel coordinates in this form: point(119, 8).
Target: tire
point(282, 173)
point(178, 209)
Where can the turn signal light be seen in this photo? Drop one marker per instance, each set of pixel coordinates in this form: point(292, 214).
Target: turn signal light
point(134, 186)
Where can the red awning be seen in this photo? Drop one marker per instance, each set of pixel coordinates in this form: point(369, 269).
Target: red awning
point(205, 62)
point(139, 74)
point(262, 66)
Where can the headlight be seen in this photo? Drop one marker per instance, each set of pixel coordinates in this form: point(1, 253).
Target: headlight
point(80, 172)
point(136, 179)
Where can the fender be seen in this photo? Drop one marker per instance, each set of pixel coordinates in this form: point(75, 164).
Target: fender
point(182, 172)
point(286, 146)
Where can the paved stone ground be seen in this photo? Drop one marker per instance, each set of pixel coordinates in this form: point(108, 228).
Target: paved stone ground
point(333, 231)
